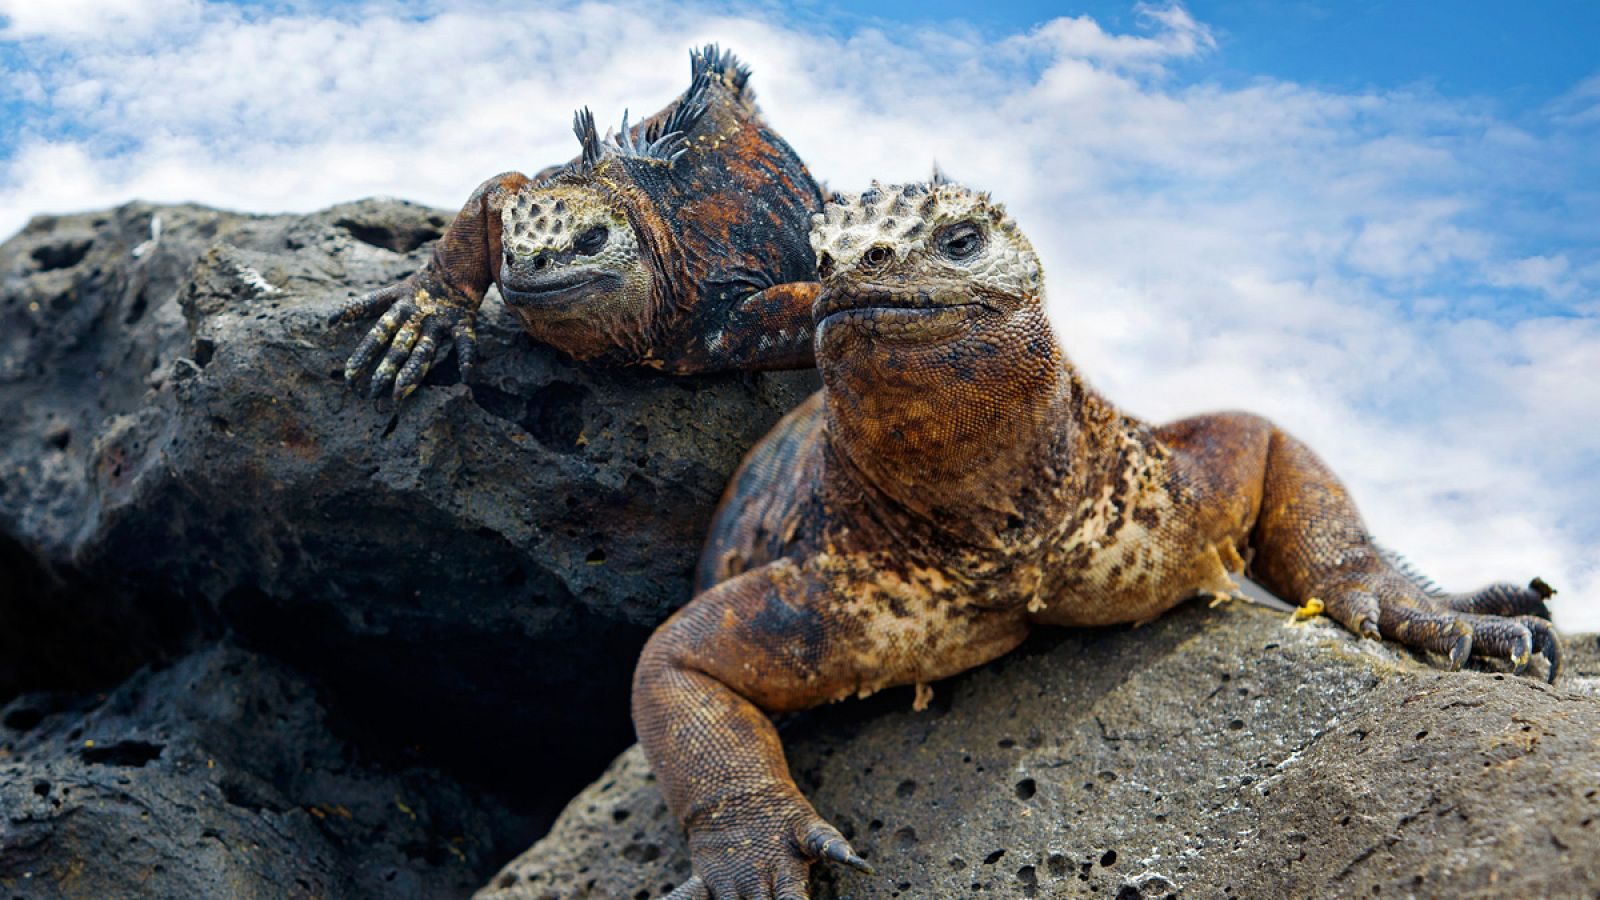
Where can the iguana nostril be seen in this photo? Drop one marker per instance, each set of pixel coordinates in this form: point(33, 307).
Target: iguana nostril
point(824, 264)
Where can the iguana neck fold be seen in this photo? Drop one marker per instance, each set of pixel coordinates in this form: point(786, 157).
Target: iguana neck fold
point(977, 456)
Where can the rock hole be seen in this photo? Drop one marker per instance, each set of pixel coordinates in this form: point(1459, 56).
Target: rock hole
point(641, 853)
point(620, 815)
point(1029, 876)
point(205, 349)
point(62, 254)
point(1108, 858)
point(555, 416)
point(1236, 725)
point(141, 302)
point(905, 788)
point(596, 557)
point(875, 825)
point(905, 838)
point(509, 879)
point(1422, 734)
point(994, 857)
point(132, 754)
point(394, 422)
point(1026, 788)
point(957, 863)
point(1129, 892)
point(41, 788)
point(1007, 743)
point(402, 238)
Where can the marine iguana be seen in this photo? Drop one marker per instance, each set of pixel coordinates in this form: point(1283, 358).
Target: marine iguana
point(954, 484)
point(678, 243)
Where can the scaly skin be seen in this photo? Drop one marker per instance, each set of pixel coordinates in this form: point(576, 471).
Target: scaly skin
point(678, 244)
point(953, 485)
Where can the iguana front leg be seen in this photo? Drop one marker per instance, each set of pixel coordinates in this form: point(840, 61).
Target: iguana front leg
point(769, 330)
point(1309, 545)
point(438, 302)
point(784, 637)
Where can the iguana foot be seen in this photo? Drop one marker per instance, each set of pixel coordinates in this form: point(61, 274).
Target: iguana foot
point(1499, 622)
point(420, 315)
point(763, 860)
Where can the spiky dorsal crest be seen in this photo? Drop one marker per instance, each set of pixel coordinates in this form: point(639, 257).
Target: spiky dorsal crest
point(663, 141)
point(588, 138)
point(712, 60)
point(657, 144)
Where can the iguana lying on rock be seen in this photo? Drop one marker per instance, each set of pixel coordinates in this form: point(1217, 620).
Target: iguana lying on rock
point(954, 484)
point(678, 243)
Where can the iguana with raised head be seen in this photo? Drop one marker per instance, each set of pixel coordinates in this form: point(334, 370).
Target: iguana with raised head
point(678, 243)
point(954, 484)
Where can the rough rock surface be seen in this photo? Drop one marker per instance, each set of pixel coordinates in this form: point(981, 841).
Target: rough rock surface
point(220, 777)
point(1215, 752)
point(472, 572)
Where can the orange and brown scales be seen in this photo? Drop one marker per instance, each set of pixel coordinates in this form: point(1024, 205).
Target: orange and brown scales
point(679, 243)
point(954, 484)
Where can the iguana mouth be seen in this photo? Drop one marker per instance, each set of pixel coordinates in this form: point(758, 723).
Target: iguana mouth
point(560, 288)
point(915, 315)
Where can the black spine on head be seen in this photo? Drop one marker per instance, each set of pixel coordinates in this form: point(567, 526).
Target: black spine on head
point(583, 127)
point(713, 60)
point(690, 108)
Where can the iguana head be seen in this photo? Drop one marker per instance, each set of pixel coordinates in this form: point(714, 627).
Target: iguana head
point(658, 230)
point(923, 270)
point(932, 339)
point(574, 265)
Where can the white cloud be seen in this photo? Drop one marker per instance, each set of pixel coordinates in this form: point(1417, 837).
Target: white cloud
point(1343, 262)
point(85, 18)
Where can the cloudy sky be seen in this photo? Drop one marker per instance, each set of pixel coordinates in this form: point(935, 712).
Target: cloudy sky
point(1377, 223)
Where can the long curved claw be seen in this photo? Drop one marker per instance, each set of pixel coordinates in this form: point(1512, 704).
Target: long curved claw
point(421, 359)
point(1545, 644)
point(370, 302)
point(823, 841)
point(466, 341)
point(693, 889)
point(404, 340)
point(1414, 622)
point(380, 335)
point(1506, 600)
point(1356, 610)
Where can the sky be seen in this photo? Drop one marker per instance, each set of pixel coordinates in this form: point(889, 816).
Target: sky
point(1376, 223)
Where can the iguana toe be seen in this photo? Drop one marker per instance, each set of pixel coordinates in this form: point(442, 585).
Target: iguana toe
point(823, 841)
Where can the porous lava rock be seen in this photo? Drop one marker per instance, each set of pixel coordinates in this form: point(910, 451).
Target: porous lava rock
point(1215, 752)
point(220, 776)
point(471, 572)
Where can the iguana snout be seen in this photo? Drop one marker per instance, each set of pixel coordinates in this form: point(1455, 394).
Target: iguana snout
point(921, 262)
point(563, 244)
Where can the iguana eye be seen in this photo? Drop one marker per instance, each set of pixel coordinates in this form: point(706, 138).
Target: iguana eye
point(877, 256)
point(960, 241)
point(590, 242)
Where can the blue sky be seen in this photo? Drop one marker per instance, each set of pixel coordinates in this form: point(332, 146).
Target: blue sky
point(1378, 223)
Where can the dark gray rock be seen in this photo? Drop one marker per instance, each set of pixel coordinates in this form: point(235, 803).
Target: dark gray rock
point(220, 777)
point(471, 573)
point(1215, 752)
